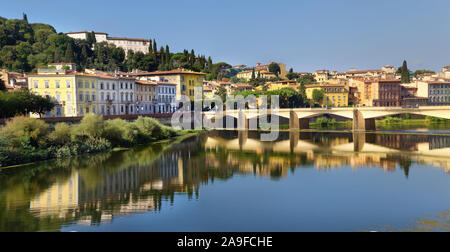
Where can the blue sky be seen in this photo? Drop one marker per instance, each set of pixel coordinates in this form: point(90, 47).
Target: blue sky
point(306, 35)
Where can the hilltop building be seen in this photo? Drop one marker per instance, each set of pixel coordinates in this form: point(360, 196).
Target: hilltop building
point(133, 44)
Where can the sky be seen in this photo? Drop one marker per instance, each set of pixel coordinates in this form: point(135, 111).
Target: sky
point(305, 35)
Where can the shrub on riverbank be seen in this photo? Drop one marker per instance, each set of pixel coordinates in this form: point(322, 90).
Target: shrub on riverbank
point(25, 140)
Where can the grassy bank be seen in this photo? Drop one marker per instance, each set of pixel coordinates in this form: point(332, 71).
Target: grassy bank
point(405, 123)
point(325, 123)
point(25, 140)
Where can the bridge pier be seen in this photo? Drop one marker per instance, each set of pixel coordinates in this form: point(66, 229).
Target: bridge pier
point(294, 123)
point(242, 121)
point(362, 124)
point(243, 137)
point(294, 137)
point(359, 139)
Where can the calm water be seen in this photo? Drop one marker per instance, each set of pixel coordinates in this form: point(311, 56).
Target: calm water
point(230, 181)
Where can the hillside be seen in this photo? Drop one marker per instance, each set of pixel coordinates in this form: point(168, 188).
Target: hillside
point(24, 47)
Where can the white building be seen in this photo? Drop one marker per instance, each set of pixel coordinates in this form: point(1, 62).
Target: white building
point(166, 97)
point(134, 44)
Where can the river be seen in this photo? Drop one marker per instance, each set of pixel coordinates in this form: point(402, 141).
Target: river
point(232, 181)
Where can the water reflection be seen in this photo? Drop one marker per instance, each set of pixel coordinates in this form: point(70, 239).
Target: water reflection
point(92, 190)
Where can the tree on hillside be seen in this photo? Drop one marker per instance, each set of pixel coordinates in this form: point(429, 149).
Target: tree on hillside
point(274, 68)
point(91, 38)
point(306, 79)
point(69, 54)
point(25, 18)
point(404, 71)
point(291, 75)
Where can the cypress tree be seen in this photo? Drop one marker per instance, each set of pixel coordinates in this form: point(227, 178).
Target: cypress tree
point(150, 47)
point(57, 55)
point(253, 74)
point(210, 64)
point(25, 18)
point(69, 54)
point(84, 55)
point(405, 73)
point(162, 57)
point(155, 48)
point(91, 38)
point(167, 60)
point(192, 58)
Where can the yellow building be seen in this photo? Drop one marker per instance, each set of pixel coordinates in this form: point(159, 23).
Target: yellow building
point(77, 94)
point(335, 95)
point(185, 80)
point(263, 74)
point(322, 75)
point(277, 85)
point(146, 96)
point(62, 89)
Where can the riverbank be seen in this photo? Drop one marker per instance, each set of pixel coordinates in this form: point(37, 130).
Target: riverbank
point(389, 123)
point(25, 140)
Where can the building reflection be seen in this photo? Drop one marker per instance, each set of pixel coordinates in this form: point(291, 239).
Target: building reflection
point(97, 190)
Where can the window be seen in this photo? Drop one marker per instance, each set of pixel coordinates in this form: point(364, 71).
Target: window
point(58, 97)
point(102, 96)
point(36, 84)
point(93, 85)
point(68, 97)
point(101, 85)
point(113, 86)
point(107, 85)
point(57, 84)
point(93, 97)
point(67, 83)
point(46, 84)
point(81, 96)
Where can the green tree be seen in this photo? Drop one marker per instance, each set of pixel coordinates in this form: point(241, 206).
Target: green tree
point(274, 68)
point(69, 54)
point(291, 75)
point(423, 71)
point(306, 79)
point(317, 95)
point(222, 93)
point(405, 73)
point(91, 38)
point(25, 18)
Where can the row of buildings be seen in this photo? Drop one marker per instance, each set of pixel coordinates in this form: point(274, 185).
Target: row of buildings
point(79, 93)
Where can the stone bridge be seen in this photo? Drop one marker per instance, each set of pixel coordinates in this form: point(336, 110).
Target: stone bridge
point(363, 117)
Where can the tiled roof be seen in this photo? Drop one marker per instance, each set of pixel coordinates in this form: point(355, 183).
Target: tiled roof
point(129, 39)
point(171, 72)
